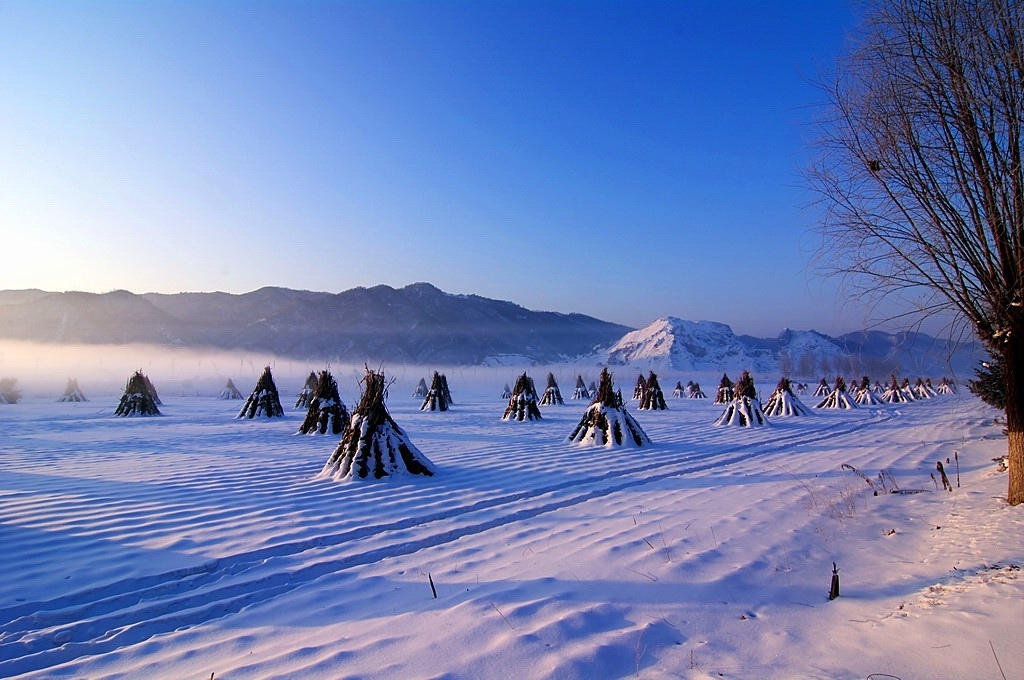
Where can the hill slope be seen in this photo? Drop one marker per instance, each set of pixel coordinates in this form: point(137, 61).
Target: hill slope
point(417, 323)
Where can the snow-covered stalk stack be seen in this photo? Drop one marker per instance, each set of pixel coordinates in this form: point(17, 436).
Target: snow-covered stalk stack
point(551, 394)
point(606, 422)
point(653, 398)
point(923, 389)
point(522, 405)
point(784, 402)
point(437, 398)
point(580, 391)
point(421, 390)
point(137, 399)
point(838, 398)
point(264, 400)
point(865, 395)
point(305, 396)
point(945, 387)
point(895, 395)
point(641, 385)
point(327, 412)
point(679, 392)
point(229, 392)
point(725, 391)
point(72, 392)
point(695, 392)
point(374, 446)
point(744, 410)
point(907, 390)
point(822, 390)
point(506, 392)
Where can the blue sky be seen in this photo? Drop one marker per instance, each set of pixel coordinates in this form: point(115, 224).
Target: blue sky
point(627, 160)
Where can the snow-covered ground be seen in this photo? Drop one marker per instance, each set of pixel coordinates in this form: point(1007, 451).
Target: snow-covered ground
point(195, 544)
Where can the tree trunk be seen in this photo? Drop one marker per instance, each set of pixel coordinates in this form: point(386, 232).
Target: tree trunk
point(1013, 363)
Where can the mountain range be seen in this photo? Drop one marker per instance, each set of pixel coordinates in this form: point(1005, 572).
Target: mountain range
point(677, 345)
point(423, 325)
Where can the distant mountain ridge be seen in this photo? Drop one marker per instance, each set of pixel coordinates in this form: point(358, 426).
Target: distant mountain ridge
point(423, 325)
point(418, 324)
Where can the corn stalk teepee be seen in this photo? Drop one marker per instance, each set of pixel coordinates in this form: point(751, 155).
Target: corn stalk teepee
point(264, 400)
point(305, 395)
point(822, 390)
point(522, 404)
point(374, 446)
point(784, 402)
point(606, 422)
point(552, 395)
point(638, 389)
point(72, 392)
point(725, 391)
point(137, 399)
point(438, 397)
point(230, 392)
point(838, 398)
point(923, 389)
point(744, 410)
point(327, 412)
point(653, 398)
point(865, 394)
point(421, 390)
point(895, 394)
point(580, 391)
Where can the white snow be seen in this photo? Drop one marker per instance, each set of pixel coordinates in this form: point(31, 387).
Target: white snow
point(197, 544)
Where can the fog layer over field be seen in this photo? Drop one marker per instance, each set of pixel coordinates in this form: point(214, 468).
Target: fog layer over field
point(102, 370)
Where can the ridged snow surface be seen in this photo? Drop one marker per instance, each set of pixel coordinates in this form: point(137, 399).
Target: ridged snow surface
point(197, 546)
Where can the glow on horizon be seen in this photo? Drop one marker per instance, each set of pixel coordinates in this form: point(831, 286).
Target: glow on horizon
point(629, 161)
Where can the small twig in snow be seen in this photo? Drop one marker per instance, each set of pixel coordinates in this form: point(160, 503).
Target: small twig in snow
point(502, 616)
point(640, 573)
point(997, 660)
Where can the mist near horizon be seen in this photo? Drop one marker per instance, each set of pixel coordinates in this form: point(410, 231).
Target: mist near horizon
point(42, 371)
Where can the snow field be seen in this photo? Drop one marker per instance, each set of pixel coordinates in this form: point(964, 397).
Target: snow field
point(195, 543)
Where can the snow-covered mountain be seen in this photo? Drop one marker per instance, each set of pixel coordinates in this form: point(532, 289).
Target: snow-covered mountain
point(672, 345)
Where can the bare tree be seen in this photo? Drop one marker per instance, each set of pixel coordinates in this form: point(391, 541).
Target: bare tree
point(920, 172)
